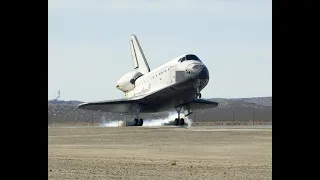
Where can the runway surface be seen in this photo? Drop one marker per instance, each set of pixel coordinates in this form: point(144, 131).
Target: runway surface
point(200, 128)
point(215, 152)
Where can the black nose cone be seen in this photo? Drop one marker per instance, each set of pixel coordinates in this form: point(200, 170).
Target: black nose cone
point(204, 73)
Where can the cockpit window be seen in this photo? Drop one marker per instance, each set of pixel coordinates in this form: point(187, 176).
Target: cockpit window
point(192, 57)
point(189, 57)
point(182, 59)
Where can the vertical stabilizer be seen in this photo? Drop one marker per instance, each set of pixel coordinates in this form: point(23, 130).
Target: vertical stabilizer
point(139, 61)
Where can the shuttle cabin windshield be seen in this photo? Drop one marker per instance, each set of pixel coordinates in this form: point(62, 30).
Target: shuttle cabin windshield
point(189, 57)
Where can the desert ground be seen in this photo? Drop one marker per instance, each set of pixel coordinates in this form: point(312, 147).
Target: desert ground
point(160, 153)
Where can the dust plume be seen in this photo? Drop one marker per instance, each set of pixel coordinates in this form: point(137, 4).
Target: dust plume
point(167, 121)
point(111, 123)
point(148, 122)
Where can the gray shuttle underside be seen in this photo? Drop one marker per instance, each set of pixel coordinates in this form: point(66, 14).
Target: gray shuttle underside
point(162, 100)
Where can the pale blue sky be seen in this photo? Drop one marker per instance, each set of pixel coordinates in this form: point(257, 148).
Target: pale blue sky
point(88, 43)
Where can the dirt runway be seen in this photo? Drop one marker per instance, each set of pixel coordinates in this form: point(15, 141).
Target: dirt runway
point(159, 153)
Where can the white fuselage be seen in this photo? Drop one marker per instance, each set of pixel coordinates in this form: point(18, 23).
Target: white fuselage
point(176, 84)
point(164, 76)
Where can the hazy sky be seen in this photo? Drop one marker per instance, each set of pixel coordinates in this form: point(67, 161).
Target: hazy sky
point(88, 43)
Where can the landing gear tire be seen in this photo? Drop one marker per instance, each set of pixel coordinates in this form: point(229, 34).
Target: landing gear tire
point(198, 95)
point(177, 121)
point(140, 122)
point(181, 122)
point(136, 121)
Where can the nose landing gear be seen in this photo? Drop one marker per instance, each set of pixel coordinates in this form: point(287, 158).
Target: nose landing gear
point(198, 94)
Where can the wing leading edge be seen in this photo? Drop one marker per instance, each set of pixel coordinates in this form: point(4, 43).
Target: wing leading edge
point(125, 106)
point(203, 104)
point(115, 106)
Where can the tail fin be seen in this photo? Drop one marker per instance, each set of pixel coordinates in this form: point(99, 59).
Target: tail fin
point(139, 61)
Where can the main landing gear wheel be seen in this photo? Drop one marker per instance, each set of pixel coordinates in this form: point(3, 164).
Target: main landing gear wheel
point(138, 122)
point(179, 122)
point(176, 121)
point(198, 95)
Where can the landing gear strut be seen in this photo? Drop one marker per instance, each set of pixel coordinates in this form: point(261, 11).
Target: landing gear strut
point(179, 121)
point(137, 121)
point(198, 95)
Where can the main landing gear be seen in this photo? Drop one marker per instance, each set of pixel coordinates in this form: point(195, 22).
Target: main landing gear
point(138, 121)
point(198, 95)
point(179, 121)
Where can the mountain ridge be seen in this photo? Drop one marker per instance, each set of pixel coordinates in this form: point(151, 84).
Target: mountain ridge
point(229, 109)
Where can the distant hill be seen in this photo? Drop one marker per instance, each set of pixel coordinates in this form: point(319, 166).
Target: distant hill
point(235, 110)
point(264, 101)
point(258, 102)
point(62, 102)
